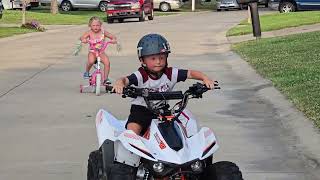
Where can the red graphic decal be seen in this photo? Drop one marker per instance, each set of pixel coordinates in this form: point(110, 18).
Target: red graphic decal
point(160, 142)
point(147, 134)
point(162, 145)
point(185, 115)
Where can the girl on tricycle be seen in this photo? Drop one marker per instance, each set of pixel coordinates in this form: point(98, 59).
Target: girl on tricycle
point(96, 38)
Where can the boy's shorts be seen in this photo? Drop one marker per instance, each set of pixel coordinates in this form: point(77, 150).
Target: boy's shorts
point(142, 116)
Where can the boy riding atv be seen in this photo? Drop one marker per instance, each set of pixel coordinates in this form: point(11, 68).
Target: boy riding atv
point(165, 143)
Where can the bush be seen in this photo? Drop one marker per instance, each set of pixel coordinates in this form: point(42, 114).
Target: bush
point(33, 25)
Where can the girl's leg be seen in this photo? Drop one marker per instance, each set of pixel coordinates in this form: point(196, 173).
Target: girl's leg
point(91, 60)
point(106, 62)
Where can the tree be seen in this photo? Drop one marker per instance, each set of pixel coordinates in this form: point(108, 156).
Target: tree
point(24, 8)
point(198, 4)
point(54, 7)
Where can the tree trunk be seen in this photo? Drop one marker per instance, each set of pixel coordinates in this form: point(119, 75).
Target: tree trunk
point(249, 15)
point(54, 7)
point(24, 7)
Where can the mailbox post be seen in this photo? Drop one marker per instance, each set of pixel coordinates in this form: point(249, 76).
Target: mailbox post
point(253, 5)
point(1, 9)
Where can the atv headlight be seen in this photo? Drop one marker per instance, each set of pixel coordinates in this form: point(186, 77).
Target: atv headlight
point(196, 166)
point(135, 6)
point(158, 167)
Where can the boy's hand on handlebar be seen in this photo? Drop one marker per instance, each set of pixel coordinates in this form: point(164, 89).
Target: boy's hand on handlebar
point(209, 83)
point(118, 87)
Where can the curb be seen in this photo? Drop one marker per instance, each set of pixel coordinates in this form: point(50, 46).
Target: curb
point(276, 33)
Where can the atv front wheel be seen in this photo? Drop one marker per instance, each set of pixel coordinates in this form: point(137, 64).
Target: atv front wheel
point(223, 170)
point(95, 166)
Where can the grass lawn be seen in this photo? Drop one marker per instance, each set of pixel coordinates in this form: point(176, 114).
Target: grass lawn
point(277, 21)
point(10, 31)
point(64, 18)
point(292, 63)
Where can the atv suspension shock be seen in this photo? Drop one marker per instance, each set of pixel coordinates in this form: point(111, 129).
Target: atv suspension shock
point(146, 175)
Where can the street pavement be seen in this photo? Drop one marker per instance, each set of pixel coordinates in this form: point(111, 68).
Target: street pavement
point(47, 127)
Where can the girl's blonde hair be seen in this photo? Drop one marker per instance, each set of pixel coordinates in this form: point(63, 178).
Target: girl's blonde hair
point(94, 18)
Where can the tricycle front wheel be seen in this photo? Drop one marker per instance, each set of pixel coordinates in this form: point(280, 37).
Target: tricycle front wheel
point(98, 84)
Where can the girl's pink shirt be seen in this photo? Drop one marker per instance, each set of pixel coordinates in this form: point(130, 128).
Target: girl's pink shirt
point(96, 39)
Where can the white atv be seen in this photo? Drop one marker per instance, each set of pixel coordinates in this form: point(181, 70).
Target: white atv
point(172, 148)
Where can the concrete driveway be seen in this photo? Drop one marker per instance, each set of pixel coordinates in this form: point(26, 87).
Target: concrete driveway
point(47, 127)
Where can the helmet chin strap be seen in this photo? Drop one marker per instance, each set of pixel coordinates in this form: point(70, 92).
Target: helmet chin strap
point(156, 75)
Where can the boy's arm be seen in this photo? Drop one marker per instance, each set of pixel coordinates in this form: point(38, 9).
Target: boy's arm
point(110, 36)
point(192, 74)
point(84, 37)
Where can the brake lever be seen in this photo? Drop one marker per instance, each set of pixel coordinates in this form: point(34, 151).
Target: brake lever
point(216, 85)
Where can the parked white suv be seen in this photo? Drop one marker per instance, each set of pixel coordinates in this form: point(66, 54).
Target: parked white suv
point(167, 5)
point(68, 5)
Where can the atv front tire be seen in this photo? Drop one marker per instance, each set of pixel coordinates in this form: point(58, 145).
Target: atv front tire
point(95, 166)
point(223, 170)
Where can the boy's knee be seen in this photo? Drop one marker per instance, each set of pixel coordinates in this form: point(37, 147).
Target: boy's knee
point(135, 127)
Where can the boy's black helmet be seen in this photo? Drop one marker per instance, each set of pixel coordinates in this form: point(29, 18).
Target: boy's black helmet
point(152, 44)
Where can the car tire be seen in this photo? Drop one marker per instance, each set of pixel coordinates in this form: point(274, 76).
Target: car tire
point(142, 17)
point(66, 6)
point(286, 7)
point(109, 21)
point(165, 7)
point(103, 6)
point(218, 9)
point(120, 20)
point(151, 16)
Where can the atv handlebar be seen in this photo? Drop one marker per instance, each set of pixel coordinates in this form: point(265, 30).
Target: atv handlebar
point(196, 91)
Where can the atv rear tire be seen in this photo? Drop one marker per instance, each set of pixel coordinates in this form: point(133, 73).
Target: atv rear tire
point(95, 166)
point(223, 170)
